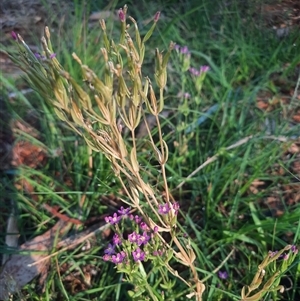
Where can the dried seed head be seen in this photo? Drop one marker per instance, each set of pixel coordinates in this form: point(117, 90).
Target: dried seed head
point(102, 24)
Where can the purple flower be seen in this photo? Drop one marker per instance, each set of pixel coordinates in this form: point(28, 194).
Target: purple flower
point(138, 255)
point(184, 50)
point(137, 219)
point(285, 256)
point(272, 254)
point(14, 36)
point(118, 258)
point(133, 237)
point(223, 275)
point(106, 257)
point(143, 239)
point(117, 240)
point(155, 229)
point(113, 219)
point(110, 250)
point(156, 17)
point(121, 15)
point(204, 69)
point(144, 226)
point(39, 57)
point(164, 209)
point(176, 207)
point(194, 71)
point(177, 47)
point(123, 211)
point(294, 249)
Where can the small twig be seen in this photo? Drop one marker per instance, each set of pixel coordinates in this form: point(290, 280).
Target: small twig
point(214, 158)
point(240, 142)
point(13, 95)
point(73, 241)
point(219, 267)
point(61, 216)
point(295, 95)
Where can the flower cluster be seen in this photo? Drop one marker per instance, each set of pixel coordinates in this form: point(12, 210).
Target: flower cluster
point(197, 74)
point(285, 255)
point(138, 245)
point(184, 56)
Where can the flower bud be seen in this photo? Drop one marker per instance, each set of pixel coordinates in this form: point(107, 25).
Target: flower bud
point(156, 17)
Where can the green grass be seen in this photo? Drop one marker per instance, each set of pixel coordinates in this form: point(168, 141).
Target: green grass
point(220, 213)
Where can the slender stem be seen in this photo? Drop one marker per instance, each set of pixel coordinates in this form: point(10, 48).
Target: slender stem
point(163, 170)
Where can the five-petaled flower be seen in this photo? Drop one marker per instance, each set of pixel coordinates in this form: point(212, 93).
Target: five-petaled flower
point(143, 239)
point(117, 239)
point(144, 226)
point(133, 237)
point(223, 275)
point(124, 211)
point(113, 219)
point(204, 69)
point(164, 209)
point(106, 257)
point(110, 250)
point(118, 258)
point(138, 255)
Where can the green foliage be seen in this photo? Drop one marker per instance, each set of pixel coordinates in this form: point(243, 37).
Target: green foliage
point(219, 213)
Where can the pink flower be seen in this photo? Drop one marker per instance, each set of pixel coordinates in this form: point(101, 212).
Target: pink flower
point(118, 258)
point(176, 207)
point(144, 226)
point(164, 209)
point(113, 219)
point(138, 255)
point(143, 239)
point(124, 211)
point(204, 69)
point(133, 237)
point(106, 257)
point(184, 50)
point(116, 239)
